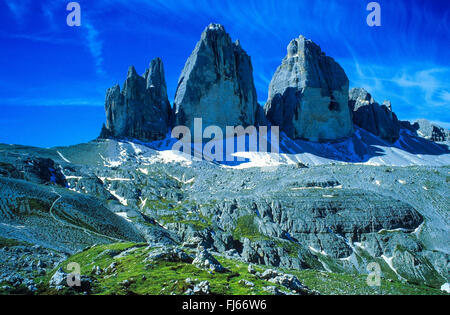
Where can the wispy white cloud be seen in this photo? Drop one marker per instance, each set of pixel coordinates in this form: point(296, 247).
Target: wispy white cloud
point(432, 82)
point(95, 45)
point(18, 8)
point(54, 34)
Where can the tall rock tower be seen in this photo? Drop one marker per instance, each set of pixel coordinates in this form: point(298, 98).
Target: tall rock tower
point(378, 119)
point(216, 83)
point(142, 109)
point(308, 95)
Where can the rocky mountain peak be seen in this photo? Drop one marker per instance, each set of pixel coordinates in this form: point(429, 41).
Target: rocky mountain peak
point(388, 104)
point(216, 83)
point(373, 117)
point(132, 72)
point(142, 109)
point(308, 94)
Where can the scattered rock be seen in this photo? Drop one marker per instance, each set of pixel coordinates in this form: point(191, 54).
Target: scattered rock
point(111, 268)
point(96, 270)
point(272, 290)
point(59, 282)
point(289, 281)
point(203, 288)
point(204, 260)
point(169, 254)
point(58, 279)
point(246, 283)
point(251, 269)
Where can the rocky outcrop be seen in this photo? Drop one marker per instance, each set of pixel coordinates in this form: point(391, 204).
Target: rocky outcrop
point(142, 109)
point(428, 130)
point(204, 260)
point(33, 169)
point(308, 95)
point(216, 83)
point(378, 119)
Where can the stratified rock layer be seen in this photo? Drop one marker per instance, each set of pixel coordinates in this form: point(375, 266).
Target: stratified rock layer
point(142, 109)
point(308, 95)
point(216, 83)
point(373, 117)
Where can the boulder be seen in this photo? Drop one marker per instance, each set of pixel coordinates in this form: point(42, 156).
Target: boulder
point(273, 290)
point(169, 254)
point(204, 260)
point(308, 95)
point(203, 288)
point(286, 280)
point(59, 281)
point(216, 83)
point(141, 110)
point(378, 119)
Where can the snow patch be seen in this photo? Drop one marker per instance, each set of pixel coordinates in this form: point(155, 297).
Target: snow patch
point(123, 215)
point(62, 157)
point(317, 251)
point(360, 245)
point(388, 260)
point(110, 163)
point(143, 202)
point(122, 200)
point(446, 287)
point(143, 171)
point(114, 179)
point(73, 177)
point(172, 156)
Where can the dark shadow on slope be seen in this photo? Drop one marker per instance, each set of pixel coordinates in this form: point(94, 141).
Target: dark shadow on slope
point(363, 146)
point(359, 148)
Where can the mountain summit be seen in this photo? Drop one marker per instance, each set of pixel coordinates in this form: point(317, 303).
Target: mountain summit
point(308, 95)
point(216, 83)
point(141, 110)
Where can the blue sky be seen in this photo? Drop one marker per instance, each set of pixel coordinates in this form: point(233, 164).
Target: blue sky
point(44, 62)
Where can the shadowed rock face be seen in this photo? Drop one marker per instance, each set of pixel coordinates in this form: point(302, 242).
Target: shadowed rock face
point(216, 83)
point(308, 95)
point(142, 109)
point(373, 117)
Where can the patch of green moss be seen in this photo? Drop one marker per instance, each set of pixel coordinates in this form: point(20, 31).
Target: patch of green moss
point(35, 204)
point(291, 247)
point(7, 242)
point(163, 278)
point(246, 227)
point(156, 277)
point(354, 284)
point(198, 224)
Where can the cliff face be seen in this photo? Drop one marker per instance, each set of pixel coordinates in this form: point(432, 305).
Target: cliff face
point(373, 117)
point(308, 95)
point(216, 83)
point(142, 109)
